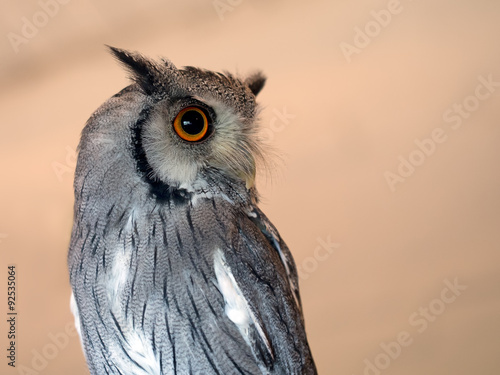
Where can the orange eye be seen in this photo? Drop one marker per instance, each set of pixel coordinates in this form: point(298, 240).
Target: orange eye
point(191, 124)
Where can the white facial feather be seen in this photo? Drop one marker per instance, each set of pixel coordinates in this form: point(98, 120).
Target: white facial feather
point(173, 164)
point(234, 145)
point(232, 148)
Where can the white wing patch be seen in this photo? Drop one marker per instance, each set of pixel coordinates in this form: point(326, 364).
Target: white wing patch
point(140, 351)
point(135, 344)
point(237, 308)
point(76, 314)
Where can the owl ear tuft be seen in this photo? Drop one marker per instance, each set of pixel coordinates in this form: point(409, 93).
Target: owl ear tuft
point(256, 82)
point(146, 73)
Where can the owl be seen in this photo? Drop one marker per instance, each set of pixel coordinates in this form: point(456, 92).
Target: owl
point(174, 268)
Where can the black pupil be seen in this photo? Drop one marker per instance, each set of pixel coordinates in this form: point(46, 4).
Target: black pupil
point(192, 122)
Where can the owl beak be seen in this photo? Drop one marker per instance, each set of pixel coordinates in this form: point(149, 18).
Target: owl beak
point(248, 176)
point(244, 171)
point(250, 179)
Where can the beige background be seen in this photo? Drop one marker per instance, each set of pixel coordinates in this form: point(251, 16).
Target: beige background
point(352, 121)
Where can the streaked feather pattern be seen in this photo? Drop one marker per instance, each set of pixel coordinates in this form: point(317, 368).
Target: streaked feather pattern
point(174, 276)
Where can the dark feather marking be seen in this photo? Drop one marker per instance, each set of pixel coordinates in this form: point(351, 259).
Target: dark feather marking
point(235, 364)
point(104, 259)
point(105, 355)
point(164, 226)
point(101, 318)
point(209, 303)
point(193, 261)
point(94, 231)
point(172, 341)
point(102, 341)
point(165, 297)
point(176, 303)
point(260, 279)
point(177, 234)
point(204, 337)
point(168, 328)
point(202, 273)
point(192, 328)
point(120, 231)
point(169, 264)
point(118, 326)
point(85, 240)
point(155, 256)
point(87, 336)
point(258, 221)
point(83, 184)
point(132, 360)
point(82, 255)
point(81, 263)
point(189, 220)
point(210, 360)
point(132, 286)
point(124, 339)
point(132, 239)
point(153, 341)
point(127, 302)
point(143, 316)
point(96, 277)
point(79, 229)
point(94, 246)
point(131, 262)
point(193, 303)
point(96, 299)
point(110, 211)
point(122, 216)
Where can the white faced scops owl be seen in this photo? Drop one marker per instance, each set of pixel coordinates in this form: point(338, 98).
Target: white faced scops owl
point(173, 266)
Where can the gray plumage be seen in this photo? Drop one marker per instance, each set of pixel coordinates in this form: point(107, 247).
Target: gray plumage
point(174, 268)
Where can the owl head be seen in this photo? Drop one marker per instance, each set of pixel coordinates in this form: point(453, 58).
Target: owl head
point(196, 124)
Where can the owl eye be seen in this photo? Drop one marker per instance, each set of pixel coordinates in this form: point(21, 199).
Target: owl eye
point(191, 124)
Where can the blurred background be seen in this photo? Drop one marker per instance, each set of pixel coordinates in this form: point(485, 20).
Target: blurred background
point(386, 114)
